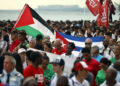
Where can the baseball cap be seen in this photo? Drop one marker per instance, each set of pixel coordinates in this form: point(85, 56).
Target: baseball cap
point(80, 66)
point(21, 50)
point(58, 61)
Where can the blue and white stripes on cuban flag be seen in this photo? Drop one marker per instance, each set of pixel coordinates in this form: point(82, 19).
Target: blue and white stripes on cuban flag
point(79, 41)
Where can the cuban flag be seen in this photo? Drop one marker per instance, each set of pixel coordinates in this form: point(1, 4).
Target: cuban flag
point(79, 41)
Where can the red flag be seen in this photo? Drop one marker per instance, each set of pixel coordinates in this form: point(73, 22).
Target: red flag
point(93, 6)
point(102, 18)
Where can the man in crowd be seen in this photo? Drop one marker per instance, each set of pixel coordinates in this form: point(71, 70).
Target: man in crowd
point(15, 41)
point(93, 65)
point(80, 75)
point(39, 44)
point(10, 75)
point(58, 68)
point(46, 39)
point(32, 44)
point(108, 35)
point(5, 34)
point(117, 54)
point(106, 50)
point(58, 47)
point(48, 70)
point(70, 47)
point(23, 40)
point(3, 45)
point(88, 44)
point(111, 44)
point(95, 53)
point(110, 78)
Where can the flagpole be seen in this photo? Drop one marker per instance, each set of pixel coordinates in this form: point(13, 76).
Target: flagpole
point(108, 13)
point(84, 16)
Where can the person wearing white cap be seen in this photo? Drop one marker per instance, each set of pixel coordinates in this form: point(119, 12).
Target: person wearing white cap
point(80, 75)
point(22, 53)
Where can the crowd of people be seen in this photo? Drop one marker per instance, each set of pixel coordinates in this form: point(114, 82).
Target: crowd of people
point(94, 66)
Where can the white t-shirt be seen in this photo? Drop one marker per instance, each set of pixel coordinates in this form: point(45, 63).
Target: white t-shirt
point(74, 82)
point(54, 80)
point(69, 56)
point(107, 55)
point(24, 65)
point(104, 84)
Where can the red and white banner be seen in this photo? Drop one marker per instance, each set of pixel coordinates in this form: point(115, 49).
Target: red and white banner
point(93, 6)
point(102, 19)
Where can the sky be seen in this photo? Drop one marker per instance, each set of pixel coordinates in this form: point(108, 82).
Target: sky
point(18, 4)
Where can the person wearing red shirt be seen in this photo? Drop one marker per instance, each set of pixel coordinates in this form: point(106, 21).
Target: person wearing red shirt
point(34, 69)
point(58, 47)
point(15, 40)
point(93, 65)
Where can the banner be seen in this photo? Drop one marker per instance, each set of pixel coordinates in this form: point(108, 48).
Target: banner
point(79, 41)
point(102, 18)
point(93, 6)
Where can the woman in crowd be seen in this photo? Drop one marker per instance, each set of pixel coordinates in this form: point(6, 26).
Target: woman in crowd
point(19, 66)
point(48, 47)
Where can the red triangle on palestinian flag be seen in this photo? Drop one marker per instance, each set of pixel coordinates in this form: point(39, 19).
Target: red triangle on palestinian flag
point(25, 17)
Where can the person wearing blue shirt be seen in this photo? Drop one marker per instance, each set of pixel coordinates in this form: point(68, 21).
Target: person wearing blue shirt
point(10, 75)
point(95, 53)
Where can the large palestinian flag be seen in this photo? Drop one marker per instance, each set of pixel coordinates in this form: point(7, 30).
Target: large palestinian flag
point(32, 23)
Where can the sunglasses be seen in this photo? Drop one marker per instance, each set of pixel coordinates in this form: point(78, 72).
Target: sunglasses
point(87, 43)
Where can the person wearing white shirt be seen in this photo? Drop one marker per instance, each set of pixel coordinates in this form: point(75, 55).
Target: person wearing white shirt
point(80, 75)
point(106, 50)
point(70, 47)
